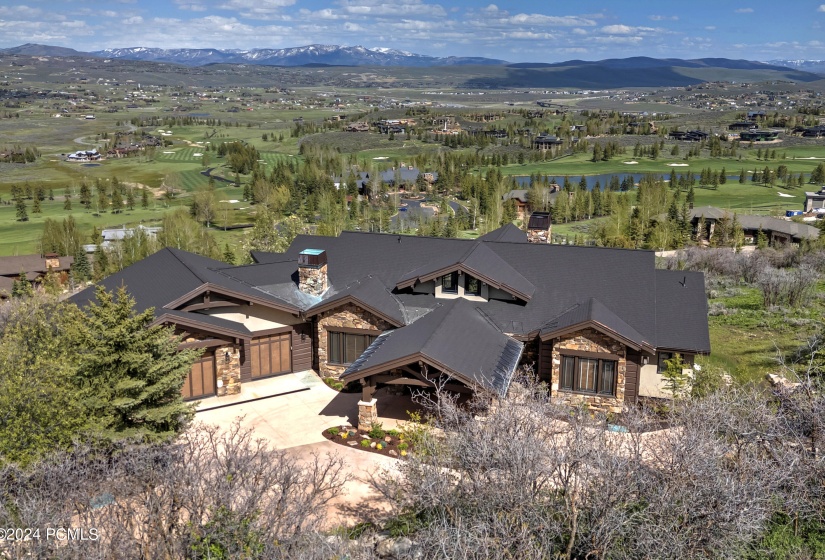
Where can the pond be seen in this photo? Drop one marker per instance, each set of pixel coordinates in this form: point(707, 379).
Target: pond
point(90, 164)
point(604, 179)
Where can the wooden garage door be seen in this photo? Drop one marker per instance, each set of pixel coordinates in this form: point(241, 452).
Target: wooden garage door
point(270, 355)
point(201, 379)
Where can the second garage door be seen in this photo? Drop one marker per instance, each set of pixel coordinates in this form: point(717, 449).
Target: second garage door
point(201, 379)
point(270, 355)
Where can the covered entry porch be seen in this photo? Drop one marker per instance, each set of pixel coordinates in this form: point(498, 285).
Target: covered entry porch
point(453, 348)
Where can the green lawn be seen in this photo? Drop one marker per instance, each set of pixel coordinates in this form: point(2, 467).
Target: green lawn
point(746, 342)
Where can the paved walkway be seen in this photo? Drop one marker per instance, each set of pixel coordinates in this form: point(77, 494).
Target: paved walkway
point(291, 411)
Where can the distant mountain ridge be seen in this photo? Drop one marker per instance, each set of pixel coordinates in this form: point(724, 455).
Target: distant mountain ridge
point(636, 71)
point(817, 66)
point(333, 55)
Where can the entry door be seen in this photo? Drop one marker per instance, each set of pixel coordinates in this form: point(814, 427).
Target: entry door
point(201, 379)
point(270, 355)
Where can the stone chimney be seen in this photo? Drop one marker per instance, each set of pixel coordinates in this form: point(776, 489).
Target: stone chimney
point(538, 228)
point(312, 271)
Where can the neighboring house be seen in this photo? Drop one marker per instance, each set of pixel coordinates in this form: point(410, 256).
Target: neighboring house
point(546, 142)
point(396, 311)
point(815, 201)
point(84, 155)
point(689, 135)
point(113, 236)
point(756, 135)
point(520, 198)
point(777, 230)
point(34, 267)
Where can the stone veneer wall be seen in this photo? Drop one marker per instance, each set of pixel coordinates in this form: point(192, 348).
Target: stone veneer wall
point(228, 373)
point(539, 235)
point(312, 280)
point(349, 316)
point(590, 340)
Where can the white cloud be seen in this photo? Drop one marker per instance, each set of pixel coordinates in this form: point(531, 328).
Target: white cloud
point(710, 27)
point(191, 5)
point(136, 20)
point(528, 35)
point(663, 18)
point(579, 31)
point(821, 8)
point(618, 29)
point(624, 40)
point(541, 19)
point(744, 11)
point(397, 8)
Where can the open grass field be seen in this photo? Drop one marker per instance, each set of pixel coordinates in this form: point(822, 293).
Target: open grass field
point(747, 341)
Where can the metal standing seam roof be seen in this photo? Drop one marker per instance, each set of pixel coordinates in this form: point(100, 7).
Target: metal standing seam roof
point(455, 336)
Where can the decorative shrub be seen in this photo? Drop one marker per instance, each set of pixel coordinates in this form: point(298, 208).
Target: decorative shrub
point(394, 433)
point(365, 443)
point(377, 431)
point(333, 431)
point(402, 447)
point(379, 447)
point(344, 435)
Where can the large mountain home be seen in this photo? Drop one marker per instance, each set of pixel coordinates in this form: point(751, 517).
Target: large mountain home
point(385, 310)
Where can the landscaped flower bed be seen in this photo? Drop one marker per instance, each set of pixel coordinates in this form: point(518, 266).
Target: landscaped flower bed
point(376, 440)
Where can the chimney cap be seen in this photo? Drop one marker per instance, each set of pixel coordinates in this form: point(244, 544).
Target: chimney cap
point(314, 258)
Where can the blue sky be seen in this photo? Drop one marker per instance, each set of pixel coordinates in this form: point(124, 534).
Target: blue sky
point(514, 30)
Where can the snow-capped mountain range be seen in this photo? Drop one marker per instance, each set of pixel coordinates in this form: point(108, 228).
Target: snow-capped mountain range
point(296, 56)
point(816, 66)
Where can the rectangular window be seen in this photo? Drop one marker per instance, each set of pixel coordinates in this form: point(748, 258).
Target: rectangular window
point(662, 366)
point(472, 287)
point(449, 283)
point(588, 375)
point(345, 348)
point(586, 380)
point(607, 382)
point(568, 367)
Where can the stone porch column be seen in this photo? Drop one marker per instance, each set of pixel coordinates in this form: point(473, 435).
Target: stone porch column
point(367, 413)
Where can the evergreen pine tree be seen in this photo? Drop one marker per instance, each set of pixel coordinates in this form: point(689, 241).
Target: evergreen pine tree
point(22, 214)
point(132, 372)
point(144, 198)
point(67, 203)
point(81, 269)
point(228, 254)
point(36, 206)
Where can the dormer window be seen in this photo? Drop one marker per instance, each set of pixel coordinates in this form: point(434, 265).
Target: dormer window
point(472, 285)
point(449, 283)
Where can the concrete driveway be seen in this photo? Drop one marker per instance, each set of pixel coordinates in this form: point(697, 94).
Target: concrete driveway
point(291, 411)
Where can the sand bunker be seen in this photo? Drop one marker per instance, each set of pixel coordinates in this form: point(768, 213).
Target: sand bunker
point(168, 152)
point(786, 195)
point(231, 201)
point(630, 162)
point(678, 164)
point(381, 157)
point(197, 154)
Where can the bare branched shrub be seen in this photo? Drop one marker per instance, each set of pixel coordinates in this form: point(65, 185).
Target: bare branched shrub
point(533, 478)
point(211, 491)
point(783, 286)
